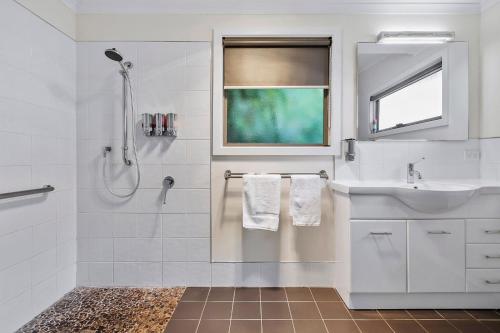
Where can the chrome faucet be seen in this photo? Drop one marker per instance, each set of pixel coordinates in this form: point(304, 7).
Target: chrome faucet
point(411, 172)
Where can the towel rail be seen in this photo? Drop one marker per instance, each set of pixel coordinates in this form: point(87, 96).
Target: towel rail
point(44, 189)
point(322, 174)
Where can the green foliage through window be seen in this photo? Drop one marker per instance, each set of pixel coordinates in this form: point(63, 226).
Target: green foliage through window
point(292, 116)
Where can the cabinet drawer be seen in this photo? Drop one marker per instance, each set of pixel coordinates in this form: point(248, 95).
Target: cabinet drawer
point(483, 255)
point(483, 280)
point(378, 250)
point(483, 231)
point(436, 256)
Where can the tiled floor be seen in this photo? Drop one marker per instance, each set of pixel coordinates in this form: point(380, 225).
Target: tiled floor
point(311, 310)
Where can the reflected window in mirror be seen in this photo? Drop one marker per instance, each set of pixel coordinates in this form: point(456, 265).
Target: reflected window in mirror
point(415, 100)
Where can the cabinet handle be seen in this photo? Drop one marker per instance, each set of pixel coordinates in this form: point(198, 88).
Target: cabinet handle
point(492, 257)
point(492, 282)
point(380, 233)
point(492, 231)
point(442, 232)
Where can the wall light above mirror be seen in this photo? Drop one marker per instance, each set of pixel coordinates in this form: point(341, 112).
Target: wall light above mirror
point(413, 91)
point(415, 37)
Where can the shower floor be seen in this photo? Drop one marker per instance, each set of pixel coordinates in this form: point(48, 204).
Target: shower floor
point(105, 310)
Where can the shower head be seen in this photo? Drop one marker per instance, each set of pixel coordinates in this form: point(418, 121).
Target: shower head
point(113, 54)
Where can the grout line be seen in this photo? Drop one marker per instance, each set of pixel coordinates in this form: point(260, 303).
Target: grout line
point(260, 309)
point(232, 309)
point(289, 309)
point(317, 307)
point(385, 321)
point(352, 318)
point(203, 310)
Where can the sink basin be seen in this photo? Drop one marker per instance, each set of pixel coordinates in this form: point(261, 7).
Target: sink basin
point(433, 197)
point(426, 197)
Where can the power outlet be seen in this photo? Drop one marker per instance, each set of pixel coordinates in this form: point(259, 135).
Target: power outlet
point(472, 154)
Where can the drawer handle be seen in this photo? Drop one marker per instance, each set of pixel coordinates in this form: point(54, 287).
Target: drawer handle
point(492, 257)
point(492, 231)
point(380, 233)
point(442, 232)
point(492, 282)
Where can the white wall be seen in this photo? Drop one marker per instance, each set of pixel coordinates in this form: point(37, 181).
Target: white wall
point(490, 72)
point(140, 242)
point(37, 147)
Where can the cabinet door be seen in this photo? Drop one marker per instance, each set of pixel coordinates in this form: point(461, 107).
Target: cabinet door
point(378, 256)
point(436, 256)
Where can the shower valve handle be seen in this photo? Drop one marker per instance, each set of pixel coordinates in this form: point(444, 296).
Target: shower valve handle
point(168, 183)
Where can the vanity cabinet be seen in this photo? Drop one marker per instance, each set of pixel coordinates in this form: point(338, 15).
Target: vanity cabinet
point(378, 256)
point(436, 256)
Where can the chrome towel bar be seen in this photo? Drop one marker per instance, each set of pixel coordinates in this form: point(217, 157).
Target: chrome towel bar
point(322, 174)
point(45, 189)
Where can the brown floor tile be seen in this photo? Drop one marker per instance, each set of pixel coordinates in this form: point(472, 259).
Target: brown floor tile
point(341, 326)
point(309, 326)
point(217, 310)
point(273, 294)
point(195, 294)
point(245, 326)
point(454, 314)
point(221, 294)
point(188, 310)
point(182, 326)
point(277, 326)
point(246, 310)
point(365, 314)
point(304, 310)
point(275, 310)
point(438, 326)
point(405, 326)
point(394, 314)
point(299, 294)
point(333, 310)
point(325, 295)
point(424, 314)
point(494, 326)
point(213, 326)
point(470, 326)
point(484, 314)
point(373, 326)
point(247, 295)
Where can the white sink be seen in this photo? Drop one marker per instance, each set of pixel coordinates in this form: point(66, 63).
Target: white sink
point(426, 197)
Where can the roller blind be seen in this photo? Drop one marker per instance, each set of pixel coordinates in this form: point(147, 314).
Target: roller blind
point(276, 62)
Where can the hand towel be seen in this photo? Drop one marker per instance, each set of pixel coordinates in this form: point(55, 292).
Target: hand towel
point(261, 201)
point(305, 200)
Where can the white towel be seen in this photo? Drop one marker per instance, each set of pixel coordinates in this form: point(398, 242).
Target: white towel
point(305, 200)
point(261, 201)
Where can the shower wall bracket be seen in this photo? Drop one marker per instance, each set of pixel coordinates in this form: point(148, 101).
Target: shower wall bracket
point(159, 124)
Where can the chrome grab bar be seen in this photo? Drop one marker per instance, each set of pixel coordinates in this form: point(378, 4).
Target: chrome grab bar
point(492, 231)
point(442, 232)
point(322, 174)
point(45, 189)
point(492, 282)
point(380, 233)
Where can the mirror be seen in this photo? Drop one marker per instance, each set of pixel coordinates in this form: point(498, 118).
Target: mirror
point(413, 91)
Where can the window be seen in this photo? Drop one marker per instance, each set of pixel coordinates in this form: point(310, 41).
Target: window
point(416, 100)
point(276, 91)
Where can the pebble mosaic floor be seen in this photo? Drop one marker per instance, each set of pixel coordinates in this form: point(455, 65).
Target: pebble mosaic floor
point(113, 310)
point(311, 310)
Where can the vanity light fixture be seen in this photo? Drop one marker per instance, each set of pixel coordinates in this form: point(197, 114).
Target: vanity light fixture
point(415, 37)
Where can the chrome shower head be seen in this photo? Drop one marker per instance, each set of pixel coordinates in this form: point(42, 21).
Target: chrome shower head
point(113, 54)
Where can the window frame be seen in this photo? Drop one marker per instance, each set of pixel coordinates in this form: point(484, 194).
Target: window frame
point(333, 119)
point(411, 76)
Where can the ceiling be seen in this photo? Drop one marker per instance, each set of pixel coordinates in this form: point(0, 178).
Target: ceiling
point(280, 6)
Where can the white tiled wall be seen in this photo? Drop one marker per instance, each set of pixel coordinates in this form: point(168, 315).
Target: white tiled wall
point(490, 159)
point(37, 147)
point(387, 160)
point(140, 241)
